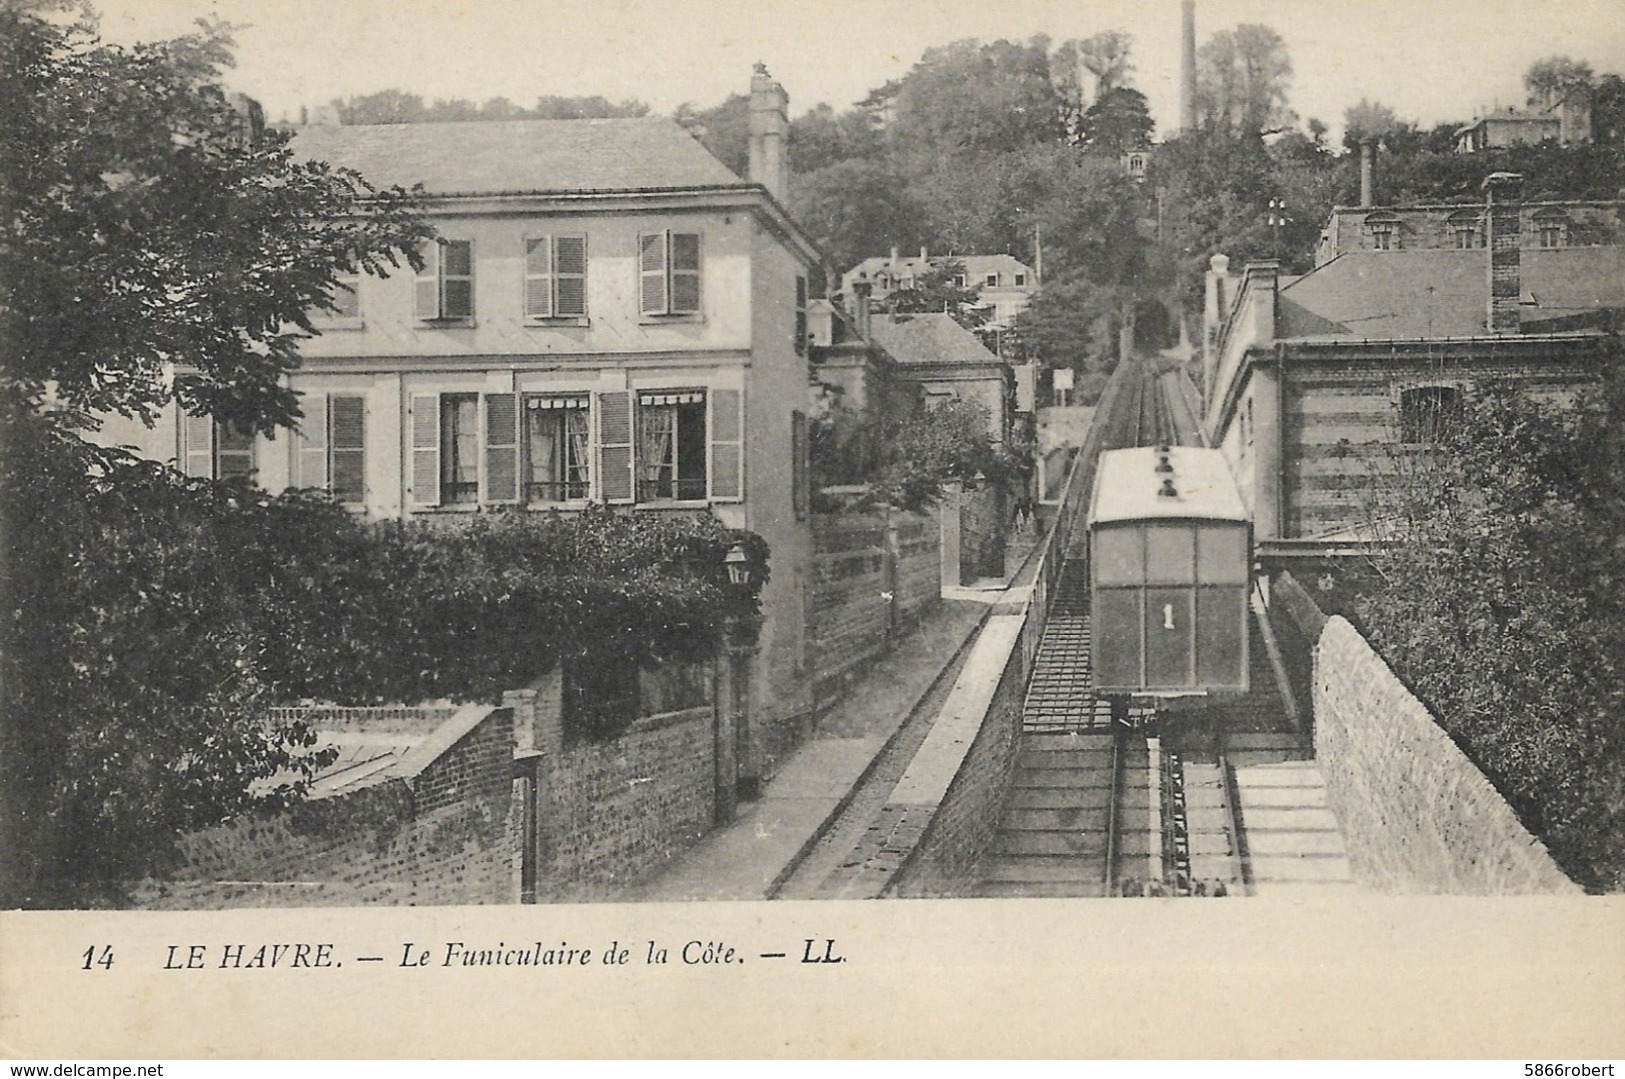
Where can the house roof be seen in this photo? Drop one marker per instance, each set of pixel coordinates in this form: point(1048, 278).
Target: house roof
point(976, 266)
point(511, 156)
point(395, 744)
point(1402, 295)
point(929, 339)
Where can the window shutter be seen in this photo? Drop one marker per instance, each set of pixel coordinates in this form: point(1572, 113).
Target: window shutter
point(197, 436)
point(313, 441)
point(570, 275)
point(349, 457)
point(801, 478)
point(685, 273)
point(538, 278)
point(426, 450)
point(727, 424)
point(615, 446)
point(457, 279)
point(800, 343)
point(652, 273)
point(502, 447)
point(428, 285)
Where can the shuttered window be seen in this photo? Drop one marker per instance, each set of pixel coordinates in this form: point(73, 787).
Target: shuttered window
point(331, 447)
point(501, 447)
point(669, 273)
point(801, 473)
point(445, 288)
point(555, 277)
point(426, 450)
point(801, 316)
point(727, 445)
point(615, 447)
point(216, 450)
point(347, 419)
point(312, 452)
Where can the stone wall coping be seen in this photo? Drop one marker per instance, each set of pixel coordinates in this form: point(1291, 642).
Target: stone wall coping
point(443, 737)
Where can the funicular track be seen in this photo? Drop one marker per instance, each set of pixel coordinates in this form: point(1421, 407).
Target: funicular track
point(1098, 807)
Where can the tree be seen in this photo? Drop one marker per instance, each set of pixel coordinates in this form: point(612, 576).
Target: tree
point(1500, 602)
point(1118, 121)
point(1242, 79)
point(1106, 57)
point(972, 98)
point(145, 229)
point(383, 107)
point(1367, 120)
point(1554, 78)
point(822, 137)
point(595, 107)
point(857, 208)
point(942, 289)
point(722, 129)
point(158, 249)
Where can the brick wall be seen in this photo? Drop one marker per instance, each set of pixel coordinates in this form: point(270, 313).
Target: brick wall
point(870, 575)
point(1341, 424)
point(445, 835)
point(951, 835)
point(612, 812)
point(1416, 815)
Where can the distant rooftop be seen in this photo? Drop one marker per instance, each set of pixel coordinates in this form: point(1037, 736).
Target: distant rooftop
point(1402, 295)
point(928, 339)
point(512, 156)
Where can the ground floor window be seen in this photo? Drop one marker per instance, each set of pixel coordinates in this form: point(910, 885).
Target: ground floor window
point(671, 446)
point(557, 436)
point(459, 448)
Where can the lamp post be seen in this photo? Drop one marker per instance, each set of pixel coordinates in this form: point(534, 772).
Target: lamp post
point(734, 767)
point(1277, 218)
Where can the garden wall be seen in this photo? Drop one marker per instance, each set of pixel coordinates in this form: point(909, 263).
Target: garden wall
point(870, 575)
point(1417, 815)
point(438, 826)
point(611, 812)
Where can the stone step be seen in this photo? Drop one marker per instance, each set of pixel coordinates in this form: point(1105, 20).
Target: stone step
point(1082, 779)
point(1264, 740)
point(1280, 798)
point(1099, 743)
point(998, 889)
point(1065, 758)
point(1251, 758)
point(1269, 844)
point(1051, 820)
point(1037, 868)
point(1289, 819)
point(1085, 844)
point(1277, 868)
point(1281, 775)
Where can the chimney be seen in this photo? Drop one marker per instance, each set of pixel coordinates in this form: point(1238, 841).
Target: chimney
point(925, 253)
point(1187, 67)
point(1503, 197)
point(860, 306)
point(1368, 169)
point(769, 130)
point(896, 256)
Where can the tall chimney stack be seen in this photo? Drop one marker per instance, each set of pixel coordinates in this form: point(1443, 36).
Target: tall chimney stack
point(1368, 171)
point(1187, 67)
point(769, 131)
point(1503, 197)
point(860, 305)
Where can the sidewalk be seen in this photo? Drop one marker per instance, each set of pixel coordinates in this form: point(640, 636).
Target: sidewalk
point(744, 859)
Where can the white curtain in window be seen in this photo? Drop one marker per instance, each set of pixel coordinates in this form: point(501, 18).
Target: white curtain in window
point(657, 430)
point(576, 430)
point(544, 445)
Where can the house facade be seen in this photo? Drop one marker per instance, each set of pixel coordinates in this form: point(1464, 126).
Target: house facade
point(1315, 384)
point(1003, 284)
point(947, 362)
point(608, 315)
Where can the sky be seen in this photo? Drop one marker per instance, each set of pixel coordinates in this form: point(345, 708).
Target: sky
point(1430, 60)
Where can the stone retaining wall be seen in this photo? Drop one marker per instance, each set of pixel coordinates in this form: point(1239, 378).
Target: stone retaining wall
point(1416, 814)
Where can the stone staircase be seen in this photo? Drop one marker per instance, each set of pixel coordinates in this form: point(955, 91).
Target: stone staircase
point(1293, 845)
point(1052, 834)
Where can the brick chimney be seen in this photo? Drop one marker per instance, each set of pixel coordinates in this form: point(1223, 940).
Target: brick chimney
point(860, 305)
point(1368, 171)
point(1503, 197)
point(769, 130)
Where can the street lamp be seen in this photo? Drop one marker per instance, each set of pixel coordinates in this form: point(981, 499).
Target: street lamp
point(1277, 218)
point(739, 567)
